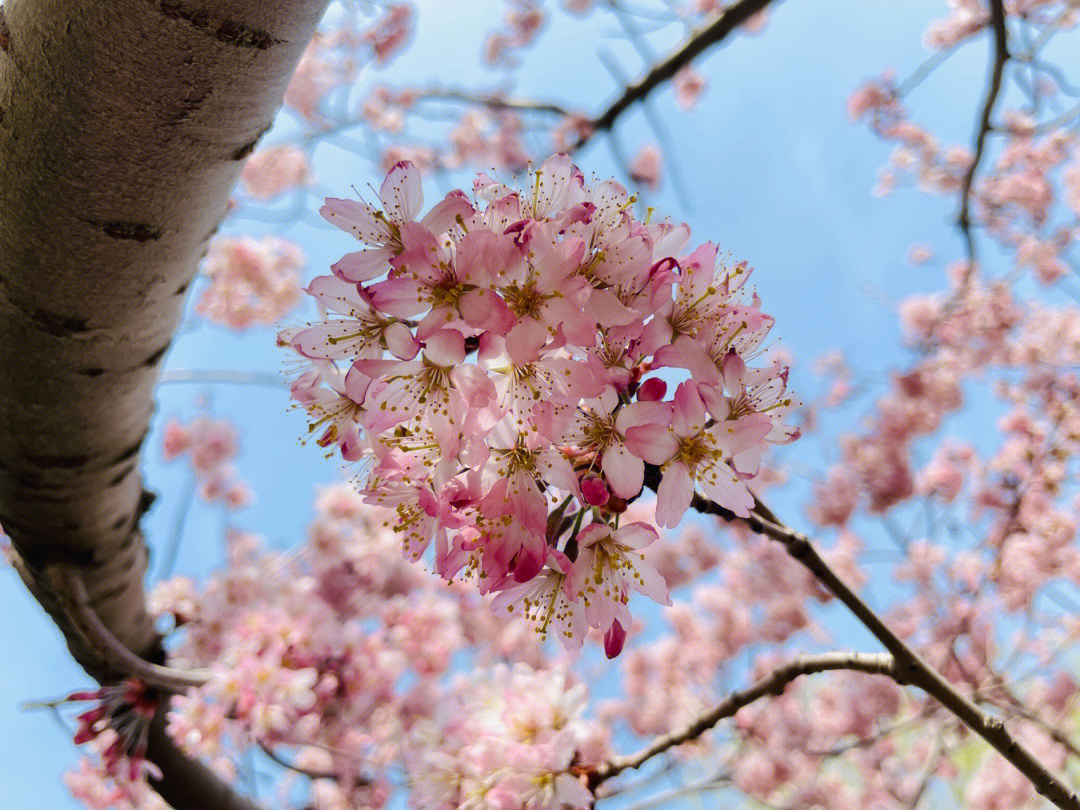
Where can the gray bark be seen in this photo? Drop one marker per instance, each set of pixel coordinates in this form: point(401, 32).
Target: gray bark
point(123, 127)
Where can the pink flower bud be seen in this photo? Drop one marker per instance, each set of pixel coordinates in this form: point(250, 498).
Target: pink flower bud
point(652, 390)
point(614, 639)
point(594, 490)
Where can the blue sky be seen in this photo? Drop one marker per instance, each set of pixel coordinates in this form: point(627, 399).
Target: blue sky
point(775, 172)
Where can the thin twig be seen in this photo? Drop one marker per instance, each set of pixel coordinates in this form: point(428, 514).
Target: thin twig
point(927, 67)
point(1067, 117)
point(773, 684)
point(284, 763)
point(198, 375)
point(715, 782)
point(172, 549)
point(928, 773)
point(1012, 703)
point(493, 101)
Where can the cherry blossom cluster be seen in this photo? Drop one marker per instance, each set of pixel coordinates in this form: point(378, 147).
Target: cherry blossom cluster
point(252, 281)
point(211, 445)
point(489, 365)
point(341, 660)
point(506, 737)
point(98, 789)
point(273, 170)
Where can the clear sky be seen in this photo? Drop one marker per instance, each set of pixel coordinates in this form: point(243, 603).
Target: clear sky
point(774, 172)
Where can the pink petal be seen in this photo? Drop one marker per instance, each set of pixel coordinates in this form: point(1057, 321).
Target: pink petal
point(530, 558)
point(674, 495)
point(446, 213)
point(623, 470)
point(614, 639)
point(687, 353)
point(337, 295)
point(327, 341)
point(420, 250)
point(357, 384)
point(652, 390)
point(355, 217)
point(650, 583)
point(608, 310)
point(735, 436)
point(729, 492)
point(401, 297)
point(525, 339)
point(734, 370)
point(363, 265)
point(635, 535)
point(485, 309)
point(400, 341)
point(656, 444)
point(402, 193)
point(688, 416)
point(558, 472)
point(718, 405)
point(556, 178)
point(475, 384)
point(483, 256)
point(574, 379)
point(445, 348)
point(594, 490)
point(643, 413)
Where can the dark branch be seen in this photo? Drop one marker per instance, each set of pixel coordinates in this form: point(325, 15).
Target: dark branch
point(186, 782)
point(699, 42)
point(1000, 57)
point(773, 684)
point(910, 668)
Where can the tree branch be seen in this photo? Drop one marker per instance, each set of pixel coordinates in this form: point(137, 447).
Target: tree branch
point(999, 57)
point(773, 684)
point(698, 42)
point(910, 668)
point(493, 101)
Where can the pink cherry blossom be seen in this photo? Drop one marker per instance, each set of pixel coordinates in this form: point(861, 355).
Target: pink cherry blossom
point(251, 281)
point(481, 363)
point(688, 84)
point(645, 168)
point(273, 170)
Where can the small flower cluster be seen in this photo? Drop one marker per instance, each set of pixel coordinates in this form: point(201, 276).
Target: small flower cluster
point(334, 652)
point(253, 281)
point(274, 170)
point(487, 363)
point(212, 446)
point(507, 737)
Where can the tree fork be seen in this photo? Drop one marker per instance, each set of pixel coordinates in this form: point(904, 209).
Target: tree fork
point(123, 128)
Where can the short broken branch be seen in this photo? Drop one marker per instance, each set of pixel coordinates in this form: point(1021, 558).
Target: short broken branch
point(70, 591)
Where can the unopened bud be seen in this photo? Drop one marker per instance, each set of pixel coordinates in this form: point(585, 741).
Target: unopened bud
point(652, 390)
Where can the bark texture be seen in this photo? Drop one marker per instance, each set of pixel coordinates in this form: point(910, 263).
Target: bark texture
point(123, 127)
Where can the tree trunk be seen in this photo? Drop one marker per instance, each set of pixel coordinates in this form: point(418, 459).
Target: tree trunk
point(123, 127)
